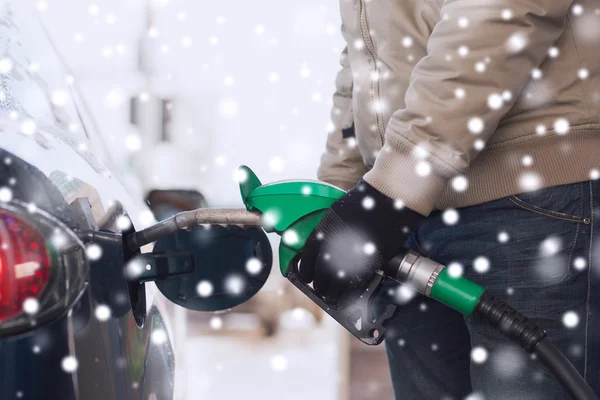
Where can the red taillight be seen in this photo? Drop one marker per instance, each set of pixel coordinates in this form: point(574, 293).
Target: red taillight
point(24, 265)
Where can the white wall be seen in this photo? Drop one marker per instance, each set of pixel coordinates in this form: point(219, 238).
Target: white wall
point(216, 60)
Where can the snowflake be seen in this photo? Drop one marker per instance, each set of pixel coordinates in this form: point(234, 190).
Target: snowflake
point(529, 181)
point(330, 29)
point(213, 40)
point(6, 194)
point(455, 270)
point(463, 22)
point(6, 65)
point(123, 222)
point(69, 364)
point(583, 73)
point(229, 108)
point(434, 347)
point(407, 41)
point(31, 306)
point(216, 323)
point(93, 251)
point(28, 127)
point(577, 9)
point(398, 204)
point(580, 264)
point(561, 126)
point(480, 66)
point(404, 293)
point(359, 44)
point(423, 168)
point(527, 161)
point(459, 93)
point(475, 125)
point(460, 183)
point(553, 52)
point(273, 77)
point(368, 203)
point(423, 307)
point(475, 396)
point(221, 20)
point(235, 284)
point(59, 98)
point(503, 237)
point(185, 42)
point(463, 51)
point(279, 363)
point(240, 175)
point(134, 269)
point(481, 264)
point(536, 73)
point(305, 72)
point(510, 291)
point(110, 19)
point(551, 246)
point(260, 29)
point(220, 160)
point(159, 336)
point(450, 217)
point(102, 312)
point(507, 14)
point(133, 142)
point(540, 129)
point(479, 144)
point(204, 288)
point(570, 319)
point(594, 174)
point(516, 42)
point(369, 248)
point(495, 101)
point(479, 355)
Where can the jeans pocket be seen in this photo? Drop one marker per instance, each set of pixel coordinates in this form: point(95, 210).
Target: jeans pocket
point(563, 202)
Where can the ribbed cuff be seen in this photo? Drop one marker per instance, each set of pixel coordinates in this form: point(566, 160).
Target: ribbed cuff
point(396, 174)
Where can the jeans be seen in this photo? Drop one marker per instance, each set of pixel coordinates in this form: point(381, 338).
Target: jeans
point(538, 251)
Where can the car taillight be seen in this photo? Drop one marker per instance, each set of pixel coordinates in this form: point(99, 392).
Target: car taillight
point(43, 268)
point(24, 265)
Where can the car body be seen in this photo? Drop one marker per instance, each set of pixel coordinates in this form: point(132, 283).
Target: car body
point(53, 160)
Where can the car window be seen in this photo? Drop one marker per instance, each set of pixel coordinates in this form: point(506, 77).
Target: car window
point(41, 120)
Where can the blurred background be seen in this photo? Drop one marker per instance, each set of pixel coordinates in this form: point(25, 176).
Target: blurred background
point(184, 91)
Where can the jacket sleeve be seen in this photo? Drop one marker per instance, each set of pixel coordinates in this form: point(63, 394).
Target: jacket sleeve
point(494, 49)
point(341, 164)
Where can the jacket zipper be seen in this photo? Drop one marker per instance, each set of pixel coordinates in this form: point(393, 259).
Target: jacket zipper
point(376, 103)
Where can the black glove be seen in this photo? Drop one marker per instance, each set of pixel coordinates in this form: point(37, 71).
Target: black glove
point(358, 234)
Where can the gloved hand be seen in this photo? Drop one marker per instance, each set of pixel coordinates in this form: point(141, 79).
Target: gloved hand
point(358, 234)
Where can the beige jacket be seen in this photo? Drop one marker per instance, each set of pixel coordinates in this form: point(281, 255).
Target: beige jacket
point(458, 102)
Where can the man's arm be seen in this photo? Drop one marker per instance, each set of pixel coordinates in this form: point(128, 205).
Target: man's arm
point(342, 164)
point(444, 126)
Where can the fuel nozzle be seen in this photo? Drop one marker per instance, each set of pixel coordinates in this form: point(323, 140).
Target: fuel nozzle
point(432, 279)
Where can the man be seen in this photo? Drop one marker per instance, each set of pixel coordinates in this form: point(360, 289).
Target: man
point(475, 125)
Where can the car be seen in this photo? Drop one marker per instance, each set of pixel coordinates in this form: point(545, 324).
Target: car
point(75, 321)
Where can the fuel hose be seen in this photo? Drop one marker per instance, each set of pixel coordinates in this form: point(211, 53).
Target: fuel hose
point(434, 280)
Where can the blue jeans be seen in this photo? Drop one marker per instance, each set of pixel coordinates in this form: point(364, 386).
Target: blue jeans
point(541, 255)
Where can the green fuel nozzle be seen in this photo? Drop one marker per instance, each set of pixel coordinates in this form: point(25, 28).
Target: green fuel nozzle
point(294, 208)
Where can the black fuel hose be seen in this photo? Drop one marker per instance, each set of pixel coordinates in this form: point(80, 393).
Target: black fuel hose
point(563, 370)
point(533, 339)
